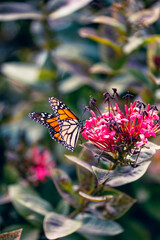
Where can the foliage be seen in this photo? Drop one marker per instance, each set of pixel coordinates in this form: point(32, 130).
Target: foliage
point(73, 50)
point(14, 235)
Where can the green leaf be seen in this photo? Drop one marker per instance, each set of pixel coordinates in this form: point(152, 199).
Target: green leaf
point(103, 68)
point(102, 175)
point(19, 189)
point(145, 17)
point(139, 75)
point(86, 179)
point(29, 205)
point(98, 84)
point(17, 10)
point(73, 83)
point(79, 162)
point(114, 207)
point(95, 226)
point(29, 232)
point(146, 153)
point(121, 81)
point(48, 74)
point(91, 34)
point(57, 226)
point(10, 173)
point(127, 174)
point(121, 175)
point(78, 56)
point(151, 39)
point(14, 235)
point(111, 22)
point(64, 187)
point(68, 8)
point(153, 52)
point(27, 74)
point(154, 80)
point(95, 198)
point(135, 42)
point(63, 207)
point(132, 44)
point(98, 152)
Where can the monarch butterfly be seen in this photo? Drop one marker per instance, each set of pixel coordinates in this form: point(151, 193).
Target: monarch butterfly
point(64, 127)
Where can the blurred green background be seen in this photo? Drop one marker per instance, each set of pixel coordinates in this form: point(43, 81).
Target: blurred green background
point(73, 50)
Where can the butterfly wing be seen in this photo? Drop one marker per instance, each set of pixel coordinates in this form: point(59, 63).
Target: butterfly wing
point(49, 121)
point(69, 125)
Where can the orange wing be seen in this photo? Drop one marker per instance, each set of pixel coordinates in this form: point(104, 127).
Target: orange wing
point(64, 128)
point(69, 125)
point(49, 121)
point(66, 114)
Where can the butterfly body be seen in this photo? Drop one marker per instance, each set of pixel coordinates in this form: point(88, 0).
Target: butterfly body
point(64, 127)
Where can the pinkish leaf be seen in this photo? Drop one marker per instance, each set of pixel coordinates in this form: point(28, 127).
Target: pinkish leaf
point(14, 235)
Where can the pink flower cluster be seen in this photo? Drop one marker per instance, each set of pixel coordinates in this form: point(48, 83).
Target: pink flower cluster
point(118, 132)
point(41, 164)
